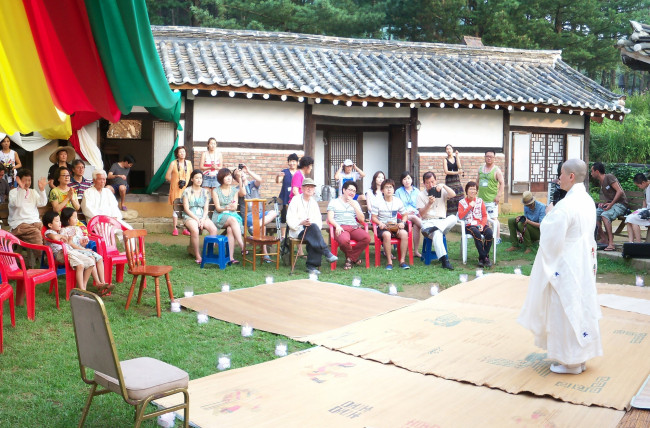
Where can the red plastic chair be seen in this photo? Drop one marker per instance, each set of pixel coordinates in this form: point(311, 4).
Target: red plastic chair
point(102, 230)
point(393, 241)
point(6, 293)
point(62, 268)
point(26, 279)
point(335, 245)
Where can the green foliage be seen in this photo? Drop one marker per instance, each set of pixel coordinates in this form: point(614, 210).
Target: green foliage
point(629, 141)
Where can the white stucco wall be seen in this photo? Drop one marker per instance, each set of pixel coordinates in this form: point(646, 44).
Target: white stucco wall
point(375, 155)
point(460, 127)
point(248, 121)
point(342, 110)
point(547, 120)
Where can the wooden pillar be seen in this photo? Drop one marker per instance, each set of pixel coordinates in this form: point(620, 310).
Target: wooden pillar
point(309, 132)
point(585, 146)
point(413, 161)
point(189, 129)
point(506, 153)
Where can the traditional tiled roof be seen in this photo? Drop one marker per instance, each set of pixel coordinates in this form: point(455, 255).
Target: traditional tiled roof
point(635, 50)
point(375, 70)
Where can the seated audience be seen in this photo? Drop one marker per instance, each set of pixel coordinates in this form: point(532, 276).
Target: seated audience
point(78, 182)
point(640, 217)
point(524, 229)
point(408, 194)
point(99, 200)
point(62, 195)
point(59, 158)
point(226, 215)
point(472, 210)
point(384, 215)
point(4, 185)
point(375, 190)
point(344, 213)
point(432, 206)
point(196, 202)
point(613, 203)
point(305, 222)
point(117, 177)
point(24, 218)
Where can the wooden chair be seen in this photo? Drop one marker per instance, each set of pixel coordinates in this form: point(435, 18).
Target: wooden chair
point(6, 293)
point(335, 245)
point(26, 279)
point(139, 381)
point(135, 254)
point(102, 229)
point(259, 236)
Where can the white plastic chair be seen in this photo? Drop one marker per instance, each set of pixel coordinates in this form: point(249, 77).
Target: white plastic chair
point(464, 237)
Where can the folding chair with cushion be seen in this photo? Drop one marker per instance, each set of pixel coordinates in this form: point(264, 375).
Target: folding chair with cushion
point(102, 229)
point(63, 268)
point(464, 237)
point(135, 254)
point(138, 381)
point(26, 279)
point(379, 244)
point(6, 293)
point(259, 236)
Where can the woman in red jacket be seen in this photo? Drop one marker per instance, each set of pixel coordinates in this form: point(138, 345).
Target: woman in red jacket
point(472, 210)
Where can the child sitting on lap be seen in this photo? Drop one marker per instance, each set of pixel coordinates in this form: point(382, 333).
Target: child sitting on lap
point(84, 262)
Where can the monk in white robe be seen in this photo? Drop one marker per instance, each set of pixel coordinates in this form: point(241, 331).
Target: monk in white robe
point(561, 307)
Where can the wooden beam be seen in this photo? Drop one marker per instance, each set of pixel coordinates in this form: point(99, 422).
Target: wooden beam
point(309, 132)
point(414, 164)
point(585, 148)
point(506, 152)
point(361, 121)
point(543, 130)
point(189, 129)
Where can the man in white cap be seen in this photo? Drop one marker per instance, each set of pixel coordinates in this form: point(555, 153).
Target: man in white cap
point(348, 171)
point(561, 307)
point(305, 222)
point(524, 229)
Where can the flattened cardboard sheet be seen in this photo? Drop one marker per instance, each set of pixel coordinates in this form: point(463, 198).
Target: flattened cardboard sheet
point(470, 333)
point(296, 308)
point(323, 388)
point(642, 398)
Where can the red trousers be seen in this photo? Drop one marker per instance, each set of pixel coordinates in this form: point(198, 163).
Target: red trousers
point(357, 234)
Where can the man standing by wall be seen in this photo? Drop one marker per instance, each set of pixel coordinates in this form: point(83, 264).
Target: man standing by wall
point(613, 203)
point(490, 189)
point(561, 307)
point(528, 224)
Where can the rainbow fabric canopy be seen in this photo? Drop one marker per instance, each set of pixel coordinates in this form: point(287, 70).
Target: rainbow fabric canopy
point(80, 59)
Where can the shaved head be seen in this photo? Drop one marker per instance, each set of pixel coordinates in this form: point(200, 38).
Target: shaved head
point(577, 167)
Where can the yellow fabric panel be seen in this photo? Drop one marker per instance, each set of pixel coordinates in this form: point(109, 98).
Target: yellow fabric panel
point(25, 101)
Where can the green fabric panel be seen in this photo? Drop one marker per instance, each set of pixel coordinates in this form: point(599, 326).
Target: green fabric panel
point(125, 43)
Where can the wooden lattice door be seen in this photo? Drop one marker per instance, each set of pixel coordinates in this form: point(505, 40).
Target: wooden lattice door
point(341, 145)
point(546, 151)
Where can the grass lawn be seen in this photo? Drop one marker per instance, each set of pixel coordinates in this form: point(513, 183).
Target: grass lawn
point(40, 383)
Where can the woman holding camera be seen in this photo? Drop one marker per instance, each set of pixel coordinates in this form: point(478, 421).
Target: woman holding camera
point(178, 175)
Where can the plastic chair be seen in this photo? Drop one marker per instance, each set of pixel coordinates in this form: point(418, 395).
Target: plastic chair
point(6, 293)
point(139, 381)
point(335, 245)
point(62, 268)
point(223, 252)
point(464, 237)
point(428, 252)
point(259, 236)
point(393, 241)
point(102, 230)
point(135, 254)
point(26, 279)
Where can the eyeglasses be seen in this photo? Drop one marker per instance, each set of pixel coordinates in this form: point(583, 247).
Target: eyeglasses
point(64, 175)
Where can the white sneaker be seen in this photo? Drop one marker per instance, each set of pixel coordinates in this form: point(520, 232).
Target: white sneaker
point(568, 369)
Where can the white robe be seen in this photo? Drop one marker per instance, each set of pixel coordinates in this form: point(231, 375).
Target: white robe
point(561, 307)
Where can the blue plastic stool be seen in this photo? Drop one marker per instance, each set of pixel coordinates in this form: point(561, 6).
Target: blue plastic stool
point(428, 253)
point(223, 252)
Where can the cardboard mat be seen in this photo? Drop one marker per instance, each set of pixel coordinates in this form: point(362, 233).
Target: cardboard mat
point(296, 308)
point(323, 388)
point(469, 333)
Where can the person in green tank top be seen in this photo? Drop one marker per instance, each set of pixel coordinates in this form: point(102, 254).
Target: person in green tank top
point(490, 188)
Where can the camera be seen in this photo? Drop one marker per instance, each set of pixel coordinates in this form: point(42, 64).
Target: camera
point(434, 192)
point(181, 183)
point(521, 219)
point(241, 166)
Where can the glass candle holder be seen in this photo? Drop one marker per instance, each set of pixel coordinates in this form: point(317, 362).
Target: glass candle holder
point(356, 281)
point(434, 290)
point(463, 277)
point(313, 277)
point(246, 330)
point(269, 279)
point(189, 291)
point(225, 288)
point(223, 362)
point(479, 273)
point(281, 348)
point(202, 317)
point(175, 306)
point(518, 270)
point(639, 281)
point(392, 290)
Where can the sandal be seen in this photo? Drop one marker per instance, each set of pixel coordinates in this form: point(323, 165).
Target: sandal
point(233, 262)
point(104, 289)
point(358, 263)
point(348, 264)
point(608, 248)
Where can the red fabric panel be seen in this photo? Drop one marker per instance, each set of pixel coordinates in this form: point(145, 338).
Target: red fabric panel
point(69, 58)
point(78, 121)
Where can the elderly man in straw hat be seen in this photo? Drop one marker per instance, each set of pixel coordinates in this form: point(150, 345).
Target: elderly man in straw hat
point(561, 307)
point(61, 156)
point(305, 222)
point(524, 229)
